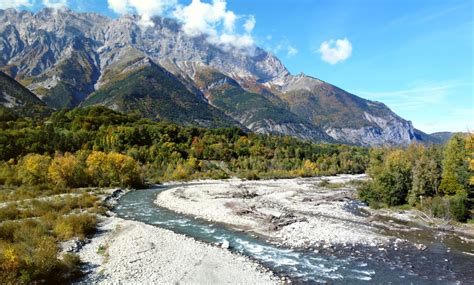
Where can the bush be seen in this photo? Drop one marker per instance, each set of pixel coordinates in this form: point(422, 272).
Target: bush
point(367, 192)
point(7, 173)
point(439, 207)
point(457, 207)
point(9, 212)
point(78, 226)
point(252, 175)
point(71, 265)
point(63, 230)
point(449, 207)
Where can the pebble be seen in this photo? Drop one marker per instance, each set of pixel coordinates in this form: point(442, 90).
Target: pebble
point(225, 244)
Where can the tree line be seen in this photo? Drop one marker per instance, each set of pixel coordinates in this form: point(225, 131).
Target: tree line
point(437, 179)
point(99, 147)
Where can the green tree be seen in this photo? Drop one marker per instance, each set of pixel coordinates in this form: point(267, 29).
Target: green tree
point(395, 178)
point(426, 178)
point(455, 177)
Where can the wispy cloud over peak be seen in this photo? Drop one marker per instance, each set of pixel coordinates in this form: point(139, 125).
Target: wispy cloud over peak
point(55, 4)
point(145, 8)
point(217, 23)
point(250, 24)
point(213, 20)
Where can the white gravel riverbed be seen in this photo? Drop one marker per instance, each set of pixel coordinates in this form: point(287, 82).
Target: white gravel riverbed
point(125, 252)
point(294, 212)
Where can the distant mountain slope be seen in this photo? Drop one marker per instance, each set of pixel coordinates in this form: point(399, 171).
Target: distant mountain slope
point(443, 137)
point(71, 79)
point(253, 110)
point(19, 100)
point(344, 116)
point(71, 59)
point(150, 90)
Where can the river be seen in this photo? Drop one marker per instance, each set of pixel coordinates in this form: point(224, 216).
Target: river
point(447, 260)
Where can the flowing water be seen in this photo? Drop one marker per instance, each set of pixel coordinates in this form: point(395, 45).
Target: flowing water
point(448, 260)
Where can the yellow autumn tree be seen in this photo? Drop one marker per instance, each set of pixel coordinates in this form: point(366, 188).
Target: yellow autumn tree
point(33, 169)
point(125, 169)
point(96, 168)
point(113, 169)
point(308, 169)
point(179, 173)
point(66, 170)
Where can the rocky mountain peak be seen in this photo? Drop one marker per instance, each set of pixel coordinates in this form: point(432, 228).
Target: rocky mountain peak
point(65, 57)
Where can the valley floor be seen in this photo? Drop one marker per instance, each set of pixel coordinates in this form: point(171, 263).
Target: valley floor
point(318, 214)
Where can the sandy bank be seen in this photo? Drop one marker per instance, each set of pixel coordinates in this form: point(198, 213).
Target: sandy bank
point(132, 252)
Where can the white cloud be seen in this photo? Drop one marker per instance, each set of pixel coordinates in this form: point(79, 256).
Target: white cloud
point(334, 51)
point(118, 6)
point(201, 18)
point(5, 4)
point(250, 24)
point(55, 4)
point(291, 51)
point(212, 20)
point(145, 8)
point(218, 24)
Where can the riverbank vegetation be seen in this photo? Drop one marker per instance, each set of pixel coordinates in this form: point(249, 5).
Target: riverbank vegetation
point(437, 179)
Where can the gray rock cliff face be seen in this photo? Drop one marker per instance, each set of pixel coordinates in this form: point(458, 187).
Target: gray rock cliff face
point(64, 56)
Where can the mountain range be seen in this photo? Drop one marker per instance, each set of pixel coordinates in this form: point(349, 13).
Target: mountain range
point(70, 60)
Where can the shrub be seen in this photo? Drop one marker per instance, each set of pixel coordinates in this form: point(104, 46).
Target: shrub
point(438, 207)
point(367, 192)
point(7, 173)
point(9, 212)
point(252, 175)
point(71, 265)
point(308, 169)
point(457, 207)
point(78, 226)
point(449, 207)
point(63, 230)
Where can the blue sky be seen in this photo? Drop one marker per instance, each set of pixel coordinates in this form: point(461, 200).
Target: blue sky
point(416, 56)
